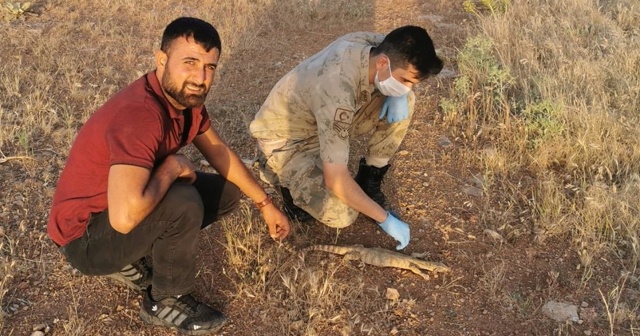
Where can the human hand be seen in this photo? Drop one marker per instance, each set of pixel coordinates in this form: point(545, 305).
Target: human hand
point(395, 108)
point(397, 229)
point(187, 170)
point(277, 222)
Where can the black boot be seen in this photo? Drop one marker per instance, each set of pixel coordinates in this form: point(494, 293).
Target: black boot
point(292, 210)
point(370, 179)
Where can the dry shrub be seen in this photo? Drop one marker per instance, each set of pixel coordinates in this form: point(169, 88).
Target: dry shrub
point(62, 71)
point(552, 90)
point(310, 299)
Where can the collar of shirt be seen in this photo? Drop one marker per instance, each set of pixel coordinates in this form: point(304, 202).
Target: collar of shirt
point(365, 88)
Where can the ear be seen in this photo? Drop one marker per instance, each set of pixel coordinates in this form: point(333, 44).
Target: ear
point(161, 59)
point(381, 62)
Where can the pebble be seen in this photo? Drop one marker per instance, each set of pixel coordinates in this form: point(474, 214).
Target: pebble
point(560, 311)
point(494, 235)
point(473, 191)
point(444, 142)
point(446, 73)
point(37, 333)
point(39, 327)
point(392, 294)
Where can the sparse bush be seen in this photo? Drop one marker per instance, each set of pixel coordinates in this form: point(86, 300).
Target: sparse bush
point(558, 90)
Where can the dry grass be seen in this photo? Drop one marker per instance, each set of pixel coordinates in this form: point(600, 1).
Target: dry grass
point(309, 299)
point(551, 90)
point(546, 100)
point(55, 73)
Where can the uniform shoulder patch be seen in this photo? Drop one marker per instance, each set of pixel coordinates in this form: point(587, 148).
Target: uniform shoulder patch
point(343, 122)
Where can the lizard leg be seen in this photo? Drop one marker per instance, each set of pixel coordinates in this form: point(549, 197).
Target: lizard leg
point(417, 271)
point(354, 255)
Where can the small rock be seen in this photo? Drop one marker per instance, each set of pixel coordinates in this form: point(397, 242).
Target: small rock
point(39, 327)
point(584, 304)
point(473, 191)
point(446, 73)
point(394, 331)
point(489, 152)
point(392, 294)
point(494, 235)
point(587, 332)
point(403, 152)
point(297, 325)
point(444, 142)
point(37, 333)
point(561, 312)
point(1, 232)
point(205, 163)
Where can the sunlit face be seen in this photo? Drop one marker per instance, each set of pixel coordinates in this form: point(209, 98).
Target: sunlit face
point(186, 72)
point(407, 76)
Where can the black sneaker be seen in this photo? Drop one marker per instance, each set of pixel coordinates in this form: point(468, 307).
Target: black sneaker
point(184, 313)
point(136, 276)
point(292, 210)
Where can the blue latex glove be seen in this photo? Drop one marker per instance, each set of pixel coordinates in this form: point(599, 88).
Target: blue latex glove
point(397, 229)
point(395, 108)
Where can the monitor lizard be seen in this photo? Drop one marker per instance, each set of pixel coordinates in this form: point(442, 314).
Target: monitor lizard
point(377, 256)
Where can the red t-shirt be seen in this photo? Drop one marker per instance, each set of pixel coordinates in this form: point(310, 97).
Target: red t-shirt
point(138, 126)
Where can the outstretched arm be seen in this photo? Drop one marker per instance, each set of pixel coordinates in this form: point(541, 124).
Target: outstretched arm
point(229, 165)
point(339, 181)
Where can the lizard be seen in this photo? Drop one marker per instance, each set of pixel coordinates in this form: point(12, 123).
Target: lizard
point(377, 256)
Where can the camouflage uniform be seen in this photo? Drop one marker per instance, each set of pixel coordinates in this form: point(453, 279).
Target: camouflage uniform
point(310, 116)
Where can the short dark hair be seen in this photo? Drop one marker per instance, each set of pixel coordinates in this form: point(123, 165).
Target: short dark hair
point(201, 31)
point(411, 45)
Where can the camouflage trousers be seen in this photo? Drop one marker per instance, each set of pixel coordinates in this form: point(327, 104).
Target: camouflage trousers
point(296, 164)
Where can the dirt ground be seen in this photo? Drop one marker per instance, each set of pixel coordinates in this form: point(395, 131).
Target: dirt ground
point(495, 287)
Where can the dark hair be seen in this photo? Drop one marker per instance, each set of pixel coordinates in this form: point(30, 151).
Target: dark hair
point(411, 45)
point(202, 32)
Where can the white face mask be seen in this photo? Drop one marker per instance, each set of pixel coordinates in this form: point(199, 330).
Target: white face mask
point(391, 86)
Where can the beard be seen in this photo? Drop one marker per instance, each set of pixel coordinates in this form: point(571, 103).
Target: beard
point(180, 95)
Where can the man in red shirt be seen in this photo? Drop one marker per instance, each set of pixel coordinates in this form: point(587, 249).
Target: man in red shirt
point(125, 193)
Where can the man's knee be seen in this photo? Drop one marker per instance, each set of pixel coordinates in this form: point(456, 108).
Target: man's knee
point(230, 199)
point(338, 216)
point(182, 199)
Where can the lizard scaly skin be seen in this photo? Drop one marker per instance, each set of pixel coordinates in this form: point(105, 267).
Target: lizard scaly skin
point(376, 256)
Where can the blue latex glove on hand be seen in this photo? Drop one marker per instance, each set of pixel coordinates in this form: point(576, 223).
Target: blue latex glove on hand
point(395, 108)
point(396, 229)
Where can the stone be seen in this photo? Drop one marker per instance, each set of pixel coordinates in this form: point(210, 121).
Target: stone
point(447, 73)
point(560, 311)
point(39, 327)
point(473, 191)
point(444, 142)
point(494, 235)
point(392, 294)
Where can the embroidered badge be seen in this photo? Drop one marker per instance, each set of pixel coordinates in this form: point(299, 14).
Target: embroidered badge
point(343, 121)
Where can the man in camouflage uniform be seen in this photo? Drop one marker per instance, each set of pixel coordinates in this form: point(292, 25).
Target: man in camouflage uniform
point(359, 83)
